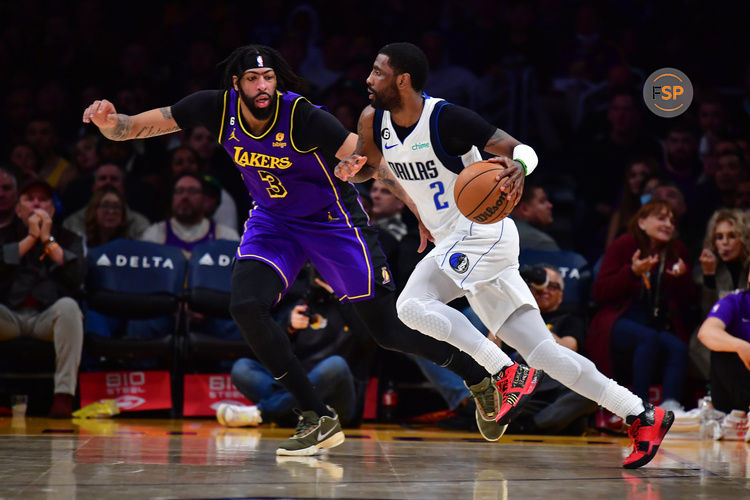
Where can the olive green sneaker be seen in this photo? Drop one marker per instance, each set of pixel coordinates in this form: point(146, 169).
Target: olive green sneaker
point(487, 399)
point(313, 434)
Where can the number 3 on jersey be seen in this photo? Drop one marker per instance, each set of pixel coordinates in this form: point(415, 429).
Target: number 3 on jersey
point(439, 205)
point(275, 187)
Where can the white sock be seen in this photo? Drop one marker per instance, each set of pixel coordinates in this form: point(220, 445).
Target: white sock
point(621, 401)
point(490, 356)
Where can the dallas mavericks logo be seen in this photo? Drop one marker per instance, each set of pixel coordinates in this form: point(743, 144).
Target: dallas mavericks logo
point(459, 262)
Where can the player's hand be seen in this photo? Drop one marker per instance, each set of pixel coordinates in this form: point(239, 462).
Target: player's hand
point(678, 269)
point(708, 262)
point(424, 236)
point(349, 167)
point(35, 225)
point(512, 177)
point(45, 224)
point(102, 113)
point(297, 319)
point(642, 266)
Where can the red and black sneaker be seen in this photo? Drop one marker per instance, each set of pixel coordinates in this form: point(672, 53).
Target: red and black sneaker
point(646, 432)
point(516, 384)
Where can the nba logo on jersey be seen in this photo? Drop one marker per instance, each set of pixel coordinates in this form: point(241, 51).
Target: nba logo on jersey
point(459, 262)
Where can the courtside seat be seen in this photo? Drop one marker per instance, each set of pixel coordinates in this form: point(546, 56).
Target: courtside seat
point(574, 269)
point(129, 280)
point(208, 293)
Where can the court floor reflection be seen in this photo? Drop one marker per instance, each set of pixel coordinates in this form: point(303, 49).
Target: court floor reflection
point(120, 458)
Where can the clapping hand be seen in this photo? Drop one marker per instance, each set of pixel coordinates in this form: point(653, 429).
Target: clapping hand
point(708, 262)
point(644, 265)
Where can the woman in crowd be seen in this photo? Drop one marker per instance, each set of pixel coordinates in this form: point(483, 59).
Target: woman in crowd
point(106, 217)
point(638, 172)
point(725, 260)
point(645, 292)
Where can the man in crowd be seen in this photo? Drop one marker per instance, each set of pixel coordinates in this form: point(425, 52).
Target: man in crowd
point(41, 270)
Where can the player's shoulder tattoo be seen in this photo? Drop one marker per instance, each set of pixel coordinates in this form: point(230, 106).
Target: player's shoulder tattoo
point(496, 138)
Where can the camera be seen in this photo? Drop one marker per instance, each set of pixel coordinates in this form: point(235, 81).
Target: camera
point(534, 276)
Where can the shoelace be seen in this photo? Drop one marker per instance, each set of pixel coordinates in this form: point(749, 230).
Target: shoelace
point(634, 428)
point(486, 400)
point(304, 425)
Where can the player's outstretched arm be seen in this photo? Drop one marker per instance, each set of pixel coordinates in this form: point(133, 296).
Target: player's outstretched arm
point(352, 167)
point(120, 127)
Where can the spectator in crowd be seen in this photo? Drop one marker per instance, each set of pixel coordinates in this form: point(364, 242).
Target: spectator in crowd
point(53, 168)
point(727, 334)
point(24, 161)
point(188, 224)
point(185, 159)
point(725, 260)
point(106, 217)
point(532, 214)
point(108, 174)
point(742, 196)
point(41, 270)
point(398, 240)
point(8, 197)
point(731, 171)
point(712, 119)
point(637, 173)
point(682, 164)
point(645, 294)
point(724, 263)
point(324, 333)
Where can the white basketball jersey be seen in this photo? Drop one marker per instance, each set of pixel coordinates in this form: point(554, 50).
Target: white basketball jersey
point(423, 168)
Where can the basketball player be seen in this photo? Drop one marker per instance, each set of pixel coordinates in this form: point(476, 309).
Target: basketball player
point(284, 148)
point(420, 144)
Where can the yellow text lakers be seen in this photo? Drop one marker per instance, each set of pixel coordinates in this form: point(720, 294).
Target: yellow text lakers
point(249, 159)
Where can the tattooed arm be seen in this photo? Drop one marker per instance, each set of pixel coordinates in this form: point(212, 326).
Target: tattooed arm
point(363, 163)
point(120, 127)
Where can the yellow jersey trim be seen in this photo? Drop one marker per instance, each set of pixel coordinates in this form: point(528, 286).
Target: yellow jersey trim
point(356, 231)
point(223, 115)
point(273, 123)
point(291, 127)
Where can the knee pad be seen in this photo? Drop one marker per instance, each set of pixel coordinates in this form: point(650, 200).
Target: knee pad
point(560, 363)
point(414, 314)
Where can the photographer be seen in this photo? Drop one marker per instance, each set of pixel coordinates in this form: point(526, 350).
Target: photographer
point(327, 338)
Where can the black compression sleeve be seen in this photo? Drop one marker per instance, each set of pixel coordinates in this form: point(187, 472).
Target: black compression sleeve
point(319, 129)
point(461, 128)
point(201, 108)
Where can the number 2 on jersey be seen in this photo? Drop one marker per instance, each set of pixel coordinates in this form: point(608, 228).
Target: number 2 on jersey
point(439, 205)
point(276, 188)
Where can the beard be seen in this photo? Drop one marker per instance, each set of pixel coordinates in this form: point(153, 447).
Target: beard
point(259, 113)
point(388, 99)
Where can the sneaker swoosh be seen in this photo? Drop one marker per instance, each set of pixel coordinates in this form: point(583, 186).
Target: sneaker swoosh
point(391, 146)
point(322, 436)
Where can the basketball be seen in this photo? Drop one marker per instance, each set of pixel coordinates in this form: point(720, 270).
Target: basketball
point(478, 194)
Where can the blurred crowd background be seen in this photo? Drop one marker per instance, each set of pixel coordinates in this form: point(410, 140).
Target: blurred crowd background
point(563, 76)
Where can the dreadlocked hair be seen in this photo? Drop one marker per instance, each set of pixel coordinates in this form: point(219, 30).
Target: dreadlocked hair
point(245, 57)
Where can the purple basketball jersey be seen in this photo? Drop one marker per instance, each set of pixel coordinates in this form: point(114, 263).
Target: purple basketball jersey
point(301, 211)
